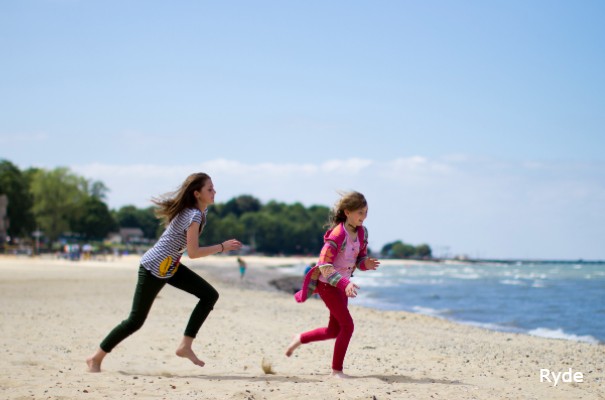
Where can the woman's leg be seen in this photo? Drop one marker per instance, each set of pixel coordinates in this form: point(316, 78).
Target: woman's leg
point(187, 280)
point(192, 283)
point(148, 287)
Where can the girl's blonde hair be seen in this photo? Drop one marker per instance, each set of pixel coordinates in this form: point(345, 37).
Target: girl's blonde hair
point(170, 204)
point(350, 201)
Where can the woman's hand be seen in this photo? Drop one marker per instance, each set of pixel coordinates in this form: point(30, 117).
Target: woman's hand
point(351, 290)
point(231, 244)
point(371, 264)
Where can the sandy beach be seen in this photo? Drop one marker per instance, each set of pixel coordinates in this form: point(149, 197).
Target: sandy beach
point(56, 312)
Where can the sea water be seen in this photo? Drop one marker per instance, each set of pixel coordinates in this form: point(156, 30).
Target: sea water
point(556, 300)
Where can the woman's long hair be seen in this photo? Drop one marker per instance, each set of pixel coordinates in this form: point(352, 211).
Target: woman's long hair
point(170, 204)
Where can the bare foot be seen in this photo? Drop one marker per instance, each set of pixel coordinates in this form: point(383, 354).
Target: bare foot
point(93, 366)
point(340, 375)
point(94, 361)
point(295, 343)
point(187, 352)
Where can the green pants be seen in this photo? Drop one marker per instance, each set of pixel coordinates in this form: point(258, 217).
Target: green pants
point(148, 287)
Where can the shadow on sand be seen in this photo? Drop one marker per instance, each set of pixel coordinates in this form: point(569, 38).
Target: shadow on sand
point(251, 378)
point(294, 379)
point(407, 379)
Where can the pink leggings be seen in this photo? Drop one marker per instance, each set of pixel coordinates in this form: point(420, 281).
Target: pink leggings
point(340, 326)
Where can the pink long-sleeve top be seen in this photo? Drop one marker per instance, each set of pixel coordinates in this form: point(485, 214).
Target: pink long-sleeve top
point(339, 257)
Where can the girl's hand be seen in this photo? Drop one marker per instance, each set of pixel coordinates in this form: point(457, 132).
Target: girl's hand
point(231, 244)
point(351, 290)
point(371, 264)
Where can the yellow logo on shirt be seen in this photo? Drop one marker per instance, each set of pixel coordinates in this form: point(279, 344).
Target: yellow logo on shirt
point(165, 265)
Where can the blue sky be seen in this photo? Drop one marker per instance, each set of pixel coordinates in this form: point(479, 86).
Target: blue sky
point(476, 127)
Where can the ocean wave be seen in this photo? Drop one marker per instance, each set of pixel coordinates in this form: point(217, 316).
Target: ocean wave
point(560, 334)
point(515, 282)
point(468, 276)
point(366, 300)
point(392, 282)
point(369, 282)
point(430, 311)
point(491, 326)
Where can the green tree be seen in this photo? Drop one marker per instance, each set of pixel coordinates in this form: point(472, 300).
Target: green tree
point(270, 233)
point(95, 222)
point(15, 185)
point(274, 228)
point(403, 250)
point(148, 222)
point(398, 249)
point(97, 189)
point(424, 251)
point(58, 199)
point(131, 217)
point(240, 205)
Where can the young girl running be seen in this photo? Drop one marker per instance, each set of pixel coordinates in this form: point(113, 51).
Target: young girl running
point(344, 250)
point(184, 213)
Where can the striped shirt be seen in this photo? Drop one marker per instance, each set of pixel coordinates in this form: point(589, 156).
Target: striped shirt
point(162, 260)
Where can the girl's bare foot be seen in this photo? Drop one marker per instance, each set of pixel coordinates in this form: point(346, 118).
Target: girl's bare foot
point(184, 350)
point(94, 361)
point(295, 343)
point(339, 375)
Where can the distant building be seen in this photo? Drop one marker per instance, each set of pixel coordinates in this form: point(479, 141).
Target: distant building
point(127, 235)
point(3, 218)
point(131, 235)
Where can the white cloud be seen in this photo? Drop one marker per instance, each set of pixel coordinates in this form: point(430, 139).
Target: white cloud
point(23, 137)
point(479, 207)
point(350, 166)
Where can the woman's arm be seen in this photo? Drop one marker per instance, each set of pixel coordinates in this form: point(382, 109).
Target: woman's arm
point(195, 251)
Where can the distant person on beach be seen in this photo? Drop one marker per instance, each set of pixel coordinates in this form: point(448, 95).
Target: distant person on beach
point(184, 213)
point(308, 268)
point(345, 249)
point(242, 267)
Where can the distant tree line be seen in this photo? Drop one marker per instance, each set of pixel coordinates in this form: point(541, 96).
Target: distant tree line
point(59, 203)
point(398, 249)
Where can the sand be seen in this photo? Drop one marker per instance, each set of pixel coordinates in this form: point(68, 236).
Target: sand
point(54, 314)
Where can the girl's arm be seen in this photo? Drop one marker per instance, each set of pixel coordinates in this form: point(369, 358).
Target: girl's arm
point(364, 262)
point(362, 258)
point(195, 251)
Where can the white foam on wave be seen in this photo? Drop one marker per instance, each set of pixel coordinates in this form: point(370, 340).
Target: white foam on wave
point(492, 326)
point(468, 276)
point(429, 311)
point(369, 282)
point(518, 282)
point(393, 282)
point(560, 334)
point(515, 282)
point(365, 300)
